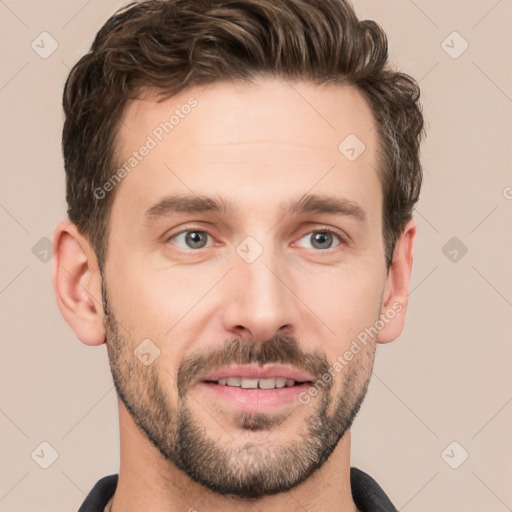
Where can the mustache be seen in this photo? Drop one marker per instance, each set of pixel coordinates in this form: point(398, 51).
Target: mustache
point(280, 349)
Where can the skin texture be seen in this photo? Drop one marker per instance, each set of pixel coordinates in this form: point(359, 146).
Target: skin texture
point(301, 304)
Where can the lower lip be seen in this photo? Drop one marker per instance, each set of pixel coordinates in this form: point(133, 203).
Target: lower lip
point(256, 399)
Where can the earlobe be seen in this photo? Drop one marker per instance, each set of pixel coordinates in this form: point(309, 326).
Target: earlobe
point(396, 293)
point(77, 284)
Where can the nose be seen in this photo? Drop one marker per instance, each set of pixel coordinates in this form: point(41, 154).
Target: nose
point(259, 300)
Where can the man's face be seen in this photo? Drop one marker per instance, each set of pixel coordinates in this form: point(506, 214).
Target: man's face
point(260, 295)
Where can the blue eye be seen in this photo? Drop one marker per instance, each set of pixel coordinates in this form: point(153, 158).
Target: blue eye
point(198, 239)
point(192, 238)
point(321, 239)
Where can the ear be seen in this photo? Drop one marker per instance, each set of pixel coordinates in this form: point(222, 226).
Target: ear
point(77, 283)
point(396, 290)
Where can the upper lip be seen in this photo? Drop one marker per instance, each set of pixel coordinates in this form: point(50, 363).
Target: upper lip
point(258, 372)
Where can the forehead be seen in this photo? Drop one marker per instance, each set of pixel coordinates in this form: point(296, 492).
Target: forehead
point(273, 139)
point(271, 108)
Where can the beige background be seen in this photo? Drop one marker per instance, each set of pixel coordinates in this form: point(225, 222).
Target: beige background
point(448, 378)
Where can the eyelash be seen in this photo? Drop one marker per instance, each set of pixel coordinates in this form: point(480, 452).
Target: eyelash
point(316, 230)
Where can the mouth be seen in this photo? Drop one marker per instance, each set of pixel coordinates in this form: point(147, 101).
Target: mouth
point(253, 388)
point(247, 383)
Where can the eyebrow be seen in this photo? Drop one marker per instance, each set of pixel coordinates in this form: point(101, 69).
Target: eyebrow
point(309, 203)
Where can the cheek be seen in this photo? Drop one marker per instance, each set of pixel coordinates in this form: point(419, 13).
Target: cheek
point(344, 302)
point(157, 305)
point(151, 301)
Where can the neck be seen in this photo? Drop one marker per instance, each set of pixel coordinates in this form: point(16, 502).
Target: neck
point(149, 482)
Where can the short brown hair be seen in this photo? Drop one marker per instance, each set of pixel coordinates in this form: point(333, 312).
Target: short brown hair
point(171, 45)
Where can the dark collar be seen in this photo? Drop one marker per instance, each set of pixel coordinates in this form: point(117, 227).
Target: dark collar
point(367, 494)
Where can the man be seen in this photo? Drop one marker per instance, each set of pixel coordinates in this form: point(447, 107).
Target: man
point(240, 182)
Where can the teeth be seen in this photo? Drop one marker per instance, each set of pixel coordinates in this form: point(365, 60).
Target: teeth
point(267, 383)
point(248, 383)
point(280, 382)
point(272, 383)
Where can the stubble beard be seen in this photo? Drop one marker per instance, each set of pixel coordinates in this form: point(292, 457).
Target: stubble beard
point(260, 463)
